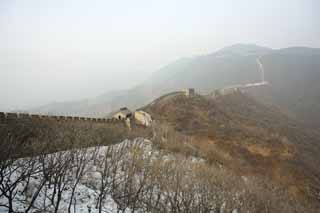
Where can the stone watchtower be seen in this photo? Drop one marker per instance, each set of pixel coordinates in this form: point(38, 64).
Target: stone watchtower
point(189, 92)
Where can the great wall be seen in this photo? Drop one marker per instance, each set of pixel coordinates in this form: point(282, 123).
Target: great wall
point(66, 132)
point(34, 134)
point(7, 117)
point(25, 118)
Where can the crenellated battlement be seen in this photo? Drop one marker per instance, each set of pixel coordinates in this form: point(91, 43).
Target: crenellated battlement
point(24, 117)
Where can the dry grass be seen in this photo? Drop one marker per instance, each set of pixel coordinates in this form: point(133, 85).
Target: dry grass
point(243, 135)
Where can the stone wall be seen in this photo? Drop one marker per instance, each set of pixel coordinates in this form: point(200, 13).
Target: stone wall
point(57, 132)
point(27, 118)
point(189, 92)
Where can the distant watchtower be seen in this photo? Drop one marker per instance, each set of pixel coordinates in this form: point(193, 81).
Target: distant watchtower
point(189, 92)
point(122, 114)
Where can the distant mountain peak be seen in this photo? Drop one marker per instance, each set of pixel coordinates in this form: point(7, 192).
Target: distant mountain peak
point(242, 50)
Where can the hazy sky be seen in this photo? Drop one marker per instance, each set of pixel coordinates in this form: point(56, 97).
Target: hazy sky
point(56, 50)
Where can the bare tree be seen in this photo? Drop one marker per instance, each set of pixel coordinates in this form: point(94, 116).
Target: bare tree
point(135, 179)
point(14, 173)
point(59, 165)
point(79, 168)
point(108, 169)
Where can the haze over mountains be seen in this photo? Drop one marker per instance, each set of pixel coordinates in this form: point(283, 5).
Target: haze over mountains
point(160, 106)
point(293, 73)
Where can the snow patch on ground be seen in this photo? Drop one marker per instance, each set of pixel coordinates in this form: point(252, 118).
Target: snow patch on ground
point(85, 198)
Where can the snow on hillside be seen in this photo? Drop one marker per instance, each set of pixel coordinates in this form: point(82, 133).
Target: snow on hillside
point(85, 195)
point(96, 179)
point(132, 176)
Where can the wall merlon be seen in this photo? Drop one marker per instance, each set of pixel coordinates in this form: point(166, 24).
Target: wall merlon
point(61, 118)
point(2, 117)
point(36, 117)
point(24, 116)
point(45, 117)
point(27, 118)
point(11, 115)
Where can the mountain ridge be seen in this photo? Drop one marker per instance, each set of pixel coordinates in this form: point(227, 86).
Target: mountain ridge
point(293, 90)
point(243, 135)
